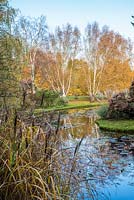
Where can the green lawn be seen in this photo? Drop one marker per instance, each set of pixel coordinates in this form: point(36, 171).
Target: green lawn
point(117, 125)
point(82, 98)
point(71, 105)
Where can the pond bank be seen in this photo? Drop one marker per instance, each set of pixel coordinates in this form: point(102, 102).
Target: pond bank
point(71, 105)
point(116, 125)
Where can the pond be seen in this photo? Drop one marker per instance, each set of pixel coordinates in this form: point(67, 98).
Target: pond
point(100, 165)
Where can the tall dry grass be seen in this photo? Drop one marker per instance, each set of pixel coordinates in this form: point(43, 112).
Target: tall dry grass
point(29, 162)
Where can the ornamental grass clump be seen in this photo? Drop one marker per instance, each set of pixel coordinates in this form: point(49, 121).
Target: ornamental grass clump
point(102, 112)
point(29, 167)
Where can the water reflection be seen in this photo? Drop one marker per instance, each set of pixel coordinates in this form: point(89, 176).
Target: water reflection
point(78, 124)
point(103, 167)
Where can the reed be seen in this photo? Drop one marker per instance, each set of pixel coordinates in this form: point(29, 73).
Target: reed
point(29, 168)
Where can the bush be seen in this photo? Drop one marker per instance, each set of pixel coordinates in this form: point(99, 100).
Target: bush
point(121, 106)
point(116, 114)
point(49, 98)
point(45, 97)
point(102, 112)
point(61, 101)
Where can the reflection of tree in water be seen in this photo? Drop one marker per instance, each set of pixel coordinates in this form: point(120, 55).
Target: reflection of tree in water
point(99, 160)
point(77, 125)
point(96, 165)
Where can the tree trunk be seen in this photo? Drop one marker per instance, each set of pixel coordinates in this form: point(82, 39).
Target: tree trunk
point(33, 78)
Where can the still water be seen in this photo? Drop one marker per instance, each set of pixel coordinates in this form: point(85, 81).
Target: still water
point(100, 164)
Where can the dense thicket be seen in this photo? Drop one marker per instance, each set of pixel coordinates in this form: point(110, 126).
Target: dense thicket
point(10, 51)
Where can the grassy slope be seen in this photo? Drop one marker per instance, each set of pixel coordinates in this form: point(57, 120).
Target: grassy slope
point(117, 125)
point(71, 105)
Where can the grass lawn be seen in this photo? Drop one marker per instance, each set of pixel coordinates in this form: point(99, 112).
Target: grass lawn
point(117, 125)
point(82, 98)
point(71, 105)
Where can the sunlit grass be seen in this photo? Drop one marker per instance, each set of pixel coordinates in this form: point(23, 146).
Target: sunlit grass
point(117, 125)
point(71, 105)
point(82, 98)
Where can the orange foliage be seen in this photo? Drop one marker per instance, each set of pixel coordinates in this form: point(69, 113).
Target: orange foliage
point(26, 73)
point(39, 80)
point(116, 76)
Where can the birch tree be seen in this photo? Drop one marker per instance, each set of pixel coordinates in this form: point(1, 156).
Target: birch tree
point(93, 58)
point(63, 47)
point(33, 32)
point(106, 53)
point(117, 73)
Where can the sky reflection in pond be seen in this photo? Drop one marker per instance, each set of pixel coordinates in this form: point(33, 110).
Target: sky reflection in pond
point(104, 164)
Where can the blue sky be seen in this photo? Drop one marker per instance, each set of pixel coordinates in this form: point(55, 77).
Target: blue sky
point(114, 13)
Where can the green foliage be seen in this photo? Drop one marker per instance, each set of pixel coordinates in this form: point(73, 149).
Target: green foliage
point(61, 101)
point(49, 98)
point(10, 50)
point(102, 112)
point(51, 94)
point(7, 15)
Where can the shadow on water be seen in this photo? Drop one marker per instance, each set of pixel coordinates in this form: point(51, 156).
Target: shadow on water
point(102, 166)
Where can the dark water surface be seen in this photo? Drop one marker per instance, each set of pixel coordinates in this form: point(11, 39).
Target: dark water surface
point(101, 164)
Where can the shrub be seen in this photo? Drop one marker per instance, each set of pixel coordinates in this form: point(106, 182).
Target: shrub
point(49, 98)
point(46, 97)
point(102, 112)
point(116, 114)
point(121, 106)
point(61, 101)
